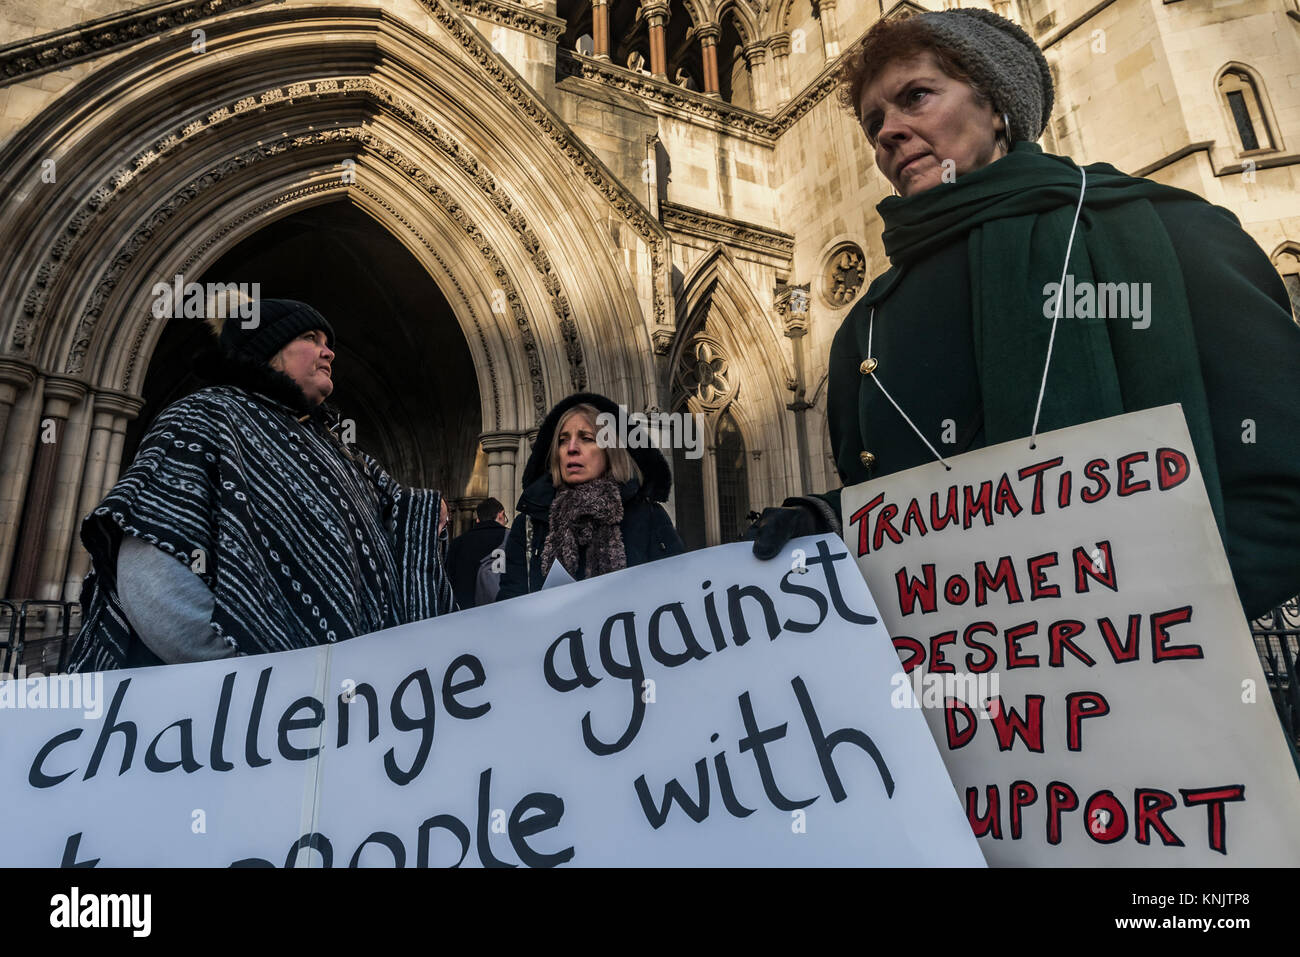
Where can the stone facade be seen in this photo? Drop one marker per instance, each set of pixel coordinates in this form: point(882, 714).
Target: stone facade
point(661, 201)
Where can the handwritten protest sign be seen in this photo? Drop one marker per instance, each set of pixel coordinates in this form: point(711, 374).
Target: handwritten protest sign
point(1068, 614)
point(710, 709)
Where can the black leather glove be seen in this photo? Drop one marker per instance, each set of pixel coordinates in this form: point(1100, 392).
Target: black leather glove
point(776, 526)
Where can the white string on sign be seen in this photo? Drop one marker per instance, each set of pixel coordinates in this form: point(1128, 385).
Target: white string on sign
point(1060, 298)
point(1051, 341)
point(871, 328)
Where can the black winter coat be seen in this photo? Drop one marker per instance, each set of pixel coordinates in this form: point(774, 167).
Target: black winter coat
point(648, 532)
point(464, 555)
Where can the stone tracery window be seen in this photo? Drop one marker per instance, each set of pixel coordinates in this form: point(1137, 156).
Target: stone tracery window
point(704, 372)
point(711, 493)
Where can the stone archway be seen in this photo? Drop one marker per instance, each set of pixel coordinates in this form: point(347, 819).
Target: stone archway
point(555, 274)
point(404, 372)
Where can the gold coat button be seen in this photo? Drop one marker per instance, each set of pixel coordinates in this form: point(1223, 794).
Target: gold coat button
point(868, 365)
point(867, 459)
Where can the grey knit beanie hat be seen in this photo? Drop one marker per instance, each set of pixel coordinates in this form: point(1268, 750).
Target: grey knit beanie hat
point(1004, 61)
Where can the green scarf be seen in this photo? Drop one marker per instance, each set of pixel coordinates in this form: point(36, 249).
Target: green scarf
point(1015, 214)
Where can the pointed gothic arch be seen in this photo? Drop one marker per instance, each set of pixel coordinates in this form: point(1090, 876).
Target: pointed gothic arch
point(423, 127)
point(1248, 114)
point(1286, 259)
point(746, 21)
point(722, 325)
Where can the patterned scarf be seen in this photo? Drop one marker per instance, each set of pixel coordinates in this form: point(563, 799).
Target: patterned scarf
point(586, 516)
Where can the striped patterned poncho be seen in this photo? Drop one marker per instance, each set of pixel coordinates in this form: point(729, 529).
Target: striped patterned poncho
point(301, 541)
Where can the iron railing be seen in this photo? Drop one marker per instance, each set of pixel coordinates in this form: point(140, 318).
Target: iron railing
point(1277, 639)
point(37, 635)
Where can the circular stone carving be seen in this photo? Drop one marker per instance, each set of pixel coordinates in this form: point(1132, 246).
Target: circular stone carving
point(843, 275)
point(704, 372)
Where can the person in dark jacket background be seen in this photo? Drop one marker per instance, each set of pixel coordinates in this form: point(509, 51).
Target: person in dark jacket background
point(593, 509)
point(466, 552)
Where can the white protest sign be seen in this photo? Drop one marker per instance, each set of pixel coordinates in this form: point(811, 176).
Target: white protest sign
point(1081, 585)
point(709, 709)
point(558, 575)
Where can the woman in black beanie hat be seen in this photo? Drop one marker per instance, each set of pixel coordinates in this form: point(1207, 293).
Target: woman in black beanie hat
point(982, 228)
point(245, 524)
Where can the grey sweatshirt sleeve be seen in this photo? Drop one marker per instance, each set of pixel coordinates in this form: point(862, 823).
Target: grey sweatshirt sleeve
point(169, 607)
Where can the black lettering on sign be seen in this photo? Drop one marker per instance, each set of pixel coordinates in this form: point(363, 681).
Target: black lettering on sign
point(477, 678)
point(422, 722)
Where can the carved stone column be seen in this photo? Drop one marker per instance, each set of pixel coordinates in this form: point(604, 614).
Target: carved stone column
point(16, 456)
point(60, 395)
point(830, 29)
point(113, 467)
point(712, 513)
point(708, 35)
point(756, 57)
point(600, 29)
point(502, 449)
point(656, 14)
point(652, 168)
point(112, 412)
point(792, 307)
point(61, 518)
point(16, 378)
point(780, 46)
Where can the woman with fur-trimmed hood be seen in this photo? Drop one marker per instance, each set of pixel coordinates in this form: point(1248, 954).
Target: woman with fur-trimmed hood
point(246, 526)
point(593, 509)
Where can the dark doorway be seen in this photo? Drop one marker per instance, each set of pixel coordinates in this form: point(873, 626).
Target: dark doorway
point(404, 373)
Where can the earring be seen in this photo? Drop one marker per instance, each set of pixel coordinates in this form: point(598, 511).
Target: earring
point(1006, 131)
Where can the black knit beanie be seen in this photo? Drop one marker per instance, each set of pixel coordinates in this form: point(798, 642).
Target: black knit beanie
point(278, 322)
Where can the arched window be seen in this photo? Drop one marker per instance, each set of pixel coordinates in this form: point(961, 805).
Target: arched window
point(576, 15)
point(1242, 100)
point(1287, 261)
point(711, 493)
point(629, 36)
point(733, 479)
point(685, 58)
point(734, 81)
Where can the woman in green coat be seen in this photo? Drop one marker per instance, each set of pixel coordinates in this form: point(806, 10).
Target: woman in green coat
point(1190, 310)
